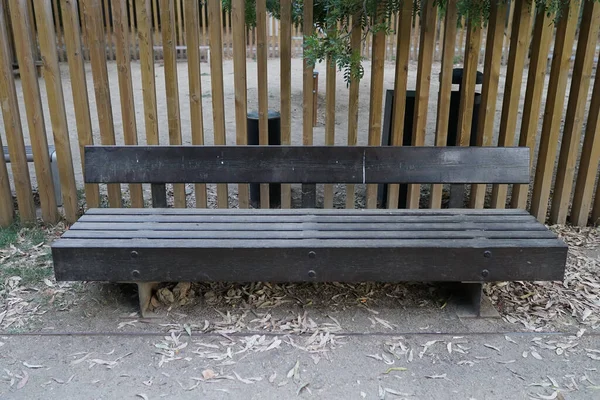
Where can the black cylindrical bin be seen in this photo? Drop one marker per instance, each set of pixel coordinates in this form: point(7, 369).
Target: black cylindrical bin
point(274, 128)
point(386, 137)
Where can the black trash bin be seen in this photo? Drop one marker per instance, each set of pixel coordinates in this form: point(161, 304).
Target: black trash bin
point(386, 137)
point(274, 127)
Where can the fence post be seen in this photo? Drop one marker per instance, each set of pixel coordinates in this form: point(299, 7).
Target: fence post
point(489, 90)
point(263, 89)
point(126, 89)
point(92, 12)
point(519, 45)
point(353, 99)
point(400, 86)
point(168, 28)
point(144, 15)
point(192, 31)
point(216, 77)
point(426, 52)
point(308, 191)
point(286, 88)
point(445, 93)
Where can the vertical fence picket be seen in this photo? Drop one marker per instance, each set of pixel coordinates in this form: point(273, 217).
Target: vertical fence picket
point(400, 86)
point(443, 111)
point(286, 88)
point(108, 30)
point(81, 103)
point(263, 88)
point(519, 45)
point(467, 100)
point(192, 32)
point(238, 32)
point(169, 38)
point(95, 31)
point(216, 77)
point(354, 87)
point(376, 104)
point(58, 30)
point(540, 46)
point(426, 51)
point(308, 191)
point(134, 50)
point(179, 29)
point(56, 105)
point(144, 20)
point(489, 90)
point(330, 88)
point(126, 89)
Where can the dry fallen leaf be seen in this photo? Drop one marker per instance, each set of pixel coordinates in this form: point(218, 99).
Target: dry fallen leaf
point(301, 388)
point(489, 346)
point(208, 374)
point(536, 355)
point(442, 376)
point(387, 371)
point(550, 397)
point(273, 377)
point(142, 395)
point(395, 392)
point(23, 380)
point(32, 366)
point(294, 372)
point(509, 339)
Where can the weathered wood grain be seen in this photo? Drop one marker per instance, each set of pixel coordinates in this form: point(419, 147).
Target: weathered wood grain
point(297, 164)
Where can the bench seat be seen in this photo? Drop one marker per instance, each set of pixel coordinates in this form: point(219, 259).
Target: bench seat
point(170, 245)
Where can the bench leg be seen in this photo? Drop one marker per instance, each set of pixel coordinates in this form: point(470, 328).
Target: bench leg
point(470, 301)
point(145, 294)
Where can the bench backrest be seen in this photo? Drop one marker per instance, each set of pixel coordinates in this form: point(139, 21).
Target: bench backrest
point(305, 164)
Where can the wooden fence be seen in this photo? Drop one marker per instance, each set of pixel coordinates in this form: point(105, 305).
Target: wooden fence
point(272, 41)
point(542, 106)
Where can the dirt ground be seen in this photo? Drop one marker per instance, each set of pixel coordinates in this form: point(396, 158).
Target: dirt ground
point(274, 101)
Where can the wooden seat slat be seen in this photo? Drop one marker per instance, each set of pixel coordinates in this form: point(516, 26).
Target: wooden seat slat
point(379, 226)
point(305, 234)
point(319, 219)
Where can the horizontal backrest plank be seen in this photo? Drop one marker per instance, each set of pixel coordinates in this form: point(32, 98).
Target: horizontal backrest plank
point(305, 164)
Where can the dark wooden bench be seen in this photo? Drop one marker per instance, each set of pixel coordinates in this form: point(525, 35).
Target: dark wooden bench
point(152, 245)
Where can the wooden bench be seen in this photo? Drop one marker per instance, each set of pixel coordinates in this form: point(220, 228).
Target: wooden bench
point(153, 245)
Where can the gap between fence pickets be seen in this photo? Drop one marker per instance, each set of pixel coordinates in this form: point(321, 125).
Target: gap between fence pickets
point(364, 165)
